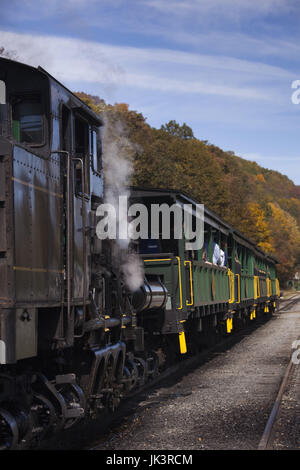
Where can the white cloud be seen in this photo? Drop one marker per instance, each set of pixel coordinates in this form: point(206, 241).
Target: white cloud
point(192, 86)
point(232, 42)
point(83, 61)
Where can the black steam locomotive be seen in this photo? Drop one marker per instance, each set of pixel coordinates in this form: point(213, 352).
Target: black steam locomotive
point(73, 338)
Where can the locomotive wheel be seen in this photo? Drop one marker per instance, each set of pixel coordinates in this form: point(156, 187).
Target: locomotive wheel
point(131, 372)
point(153, 365)
point(9, 432)
point(44, 415)
point(142, 368)
point(74, 399)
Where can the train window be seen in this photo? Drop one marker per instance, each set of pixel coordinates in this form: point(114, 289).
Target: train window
point(27, 114)
point(2, 92)
point(82, 152)
point(96, 152)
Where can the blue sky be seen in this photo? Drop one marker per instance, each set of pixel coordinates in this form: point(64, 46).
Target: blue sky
point(224, 67)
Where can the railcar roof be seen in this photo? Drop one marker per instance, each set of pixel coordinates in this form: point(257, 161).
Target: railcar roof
point(80, 104)
point(209, 215)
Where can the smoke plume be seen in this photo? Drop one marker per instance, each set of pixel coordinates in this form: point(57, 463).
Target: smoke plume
point(118, 152)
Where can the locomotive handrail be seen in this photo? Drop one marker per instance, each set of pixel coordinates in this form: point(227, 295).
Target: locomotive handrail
point(239, 289)
point(80, 160)
point(157, 259)
point(256, 287)
point(180, 286)
point(191, 283)
point(70, 318)
point(277, 287)
point(231, 286)
point(269, 287)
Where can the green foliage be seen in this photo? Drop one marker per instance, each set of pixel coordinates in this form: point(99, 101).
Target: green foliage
point(173, 128)
point(94, 102)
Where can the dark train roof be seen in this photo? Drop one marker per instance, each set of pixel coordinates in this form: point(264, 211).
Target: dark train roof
point(77, 102)
point(210, 217)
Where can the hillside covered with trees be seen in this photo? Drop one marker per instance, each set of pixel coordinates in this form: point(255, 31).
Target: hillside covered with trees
point(261, 203)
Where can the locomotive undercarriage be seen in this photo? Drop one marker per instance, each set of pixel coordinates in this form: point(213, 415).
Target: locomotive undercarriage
point(40, 396)
point(110, 357)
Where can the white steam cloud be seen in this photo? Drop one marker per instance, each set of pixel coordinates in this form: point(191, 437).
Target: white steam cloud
point(118, 153)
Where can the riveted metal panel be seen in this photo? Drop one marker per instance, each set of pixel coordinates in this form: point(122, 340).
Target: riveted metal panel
point(38, 235)
point(23, 233)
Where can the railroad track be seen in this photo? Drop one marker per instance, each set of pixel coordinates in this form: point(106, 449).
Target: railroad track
point(290, 302)
point(268, 435)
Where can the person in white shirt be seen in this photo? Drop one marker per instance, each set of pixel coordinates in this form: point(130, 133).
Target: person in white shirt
point(216, 253)
point(222, 257)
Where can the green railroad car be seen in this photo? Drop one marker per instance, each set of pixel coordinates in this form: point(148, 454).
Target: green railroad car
point(203, 295)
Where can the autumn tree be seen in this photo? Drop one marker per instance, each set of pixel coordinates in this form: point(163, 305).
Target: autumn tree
point(94, 102)
point(286, 236)
point(255, 226)
point(173, 128)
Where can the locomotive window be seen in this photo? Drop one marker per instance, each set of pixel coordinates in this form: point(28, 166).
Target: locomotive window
point(2, 92)
point(82, 152)
point(96, 152)
point(27, 115)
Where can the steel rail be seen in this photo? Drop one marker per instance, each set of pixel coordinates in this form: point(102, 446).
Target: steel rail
point(267, 437)
point(292, 302)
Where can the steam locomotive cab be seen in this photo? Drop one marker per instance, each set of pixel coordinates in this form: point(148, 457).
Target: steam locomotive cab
point(51, 173)
point(59, 299)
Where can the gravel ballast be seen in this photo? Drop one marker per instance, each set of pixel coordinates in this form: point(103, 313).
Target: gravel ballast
point(224, 404)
